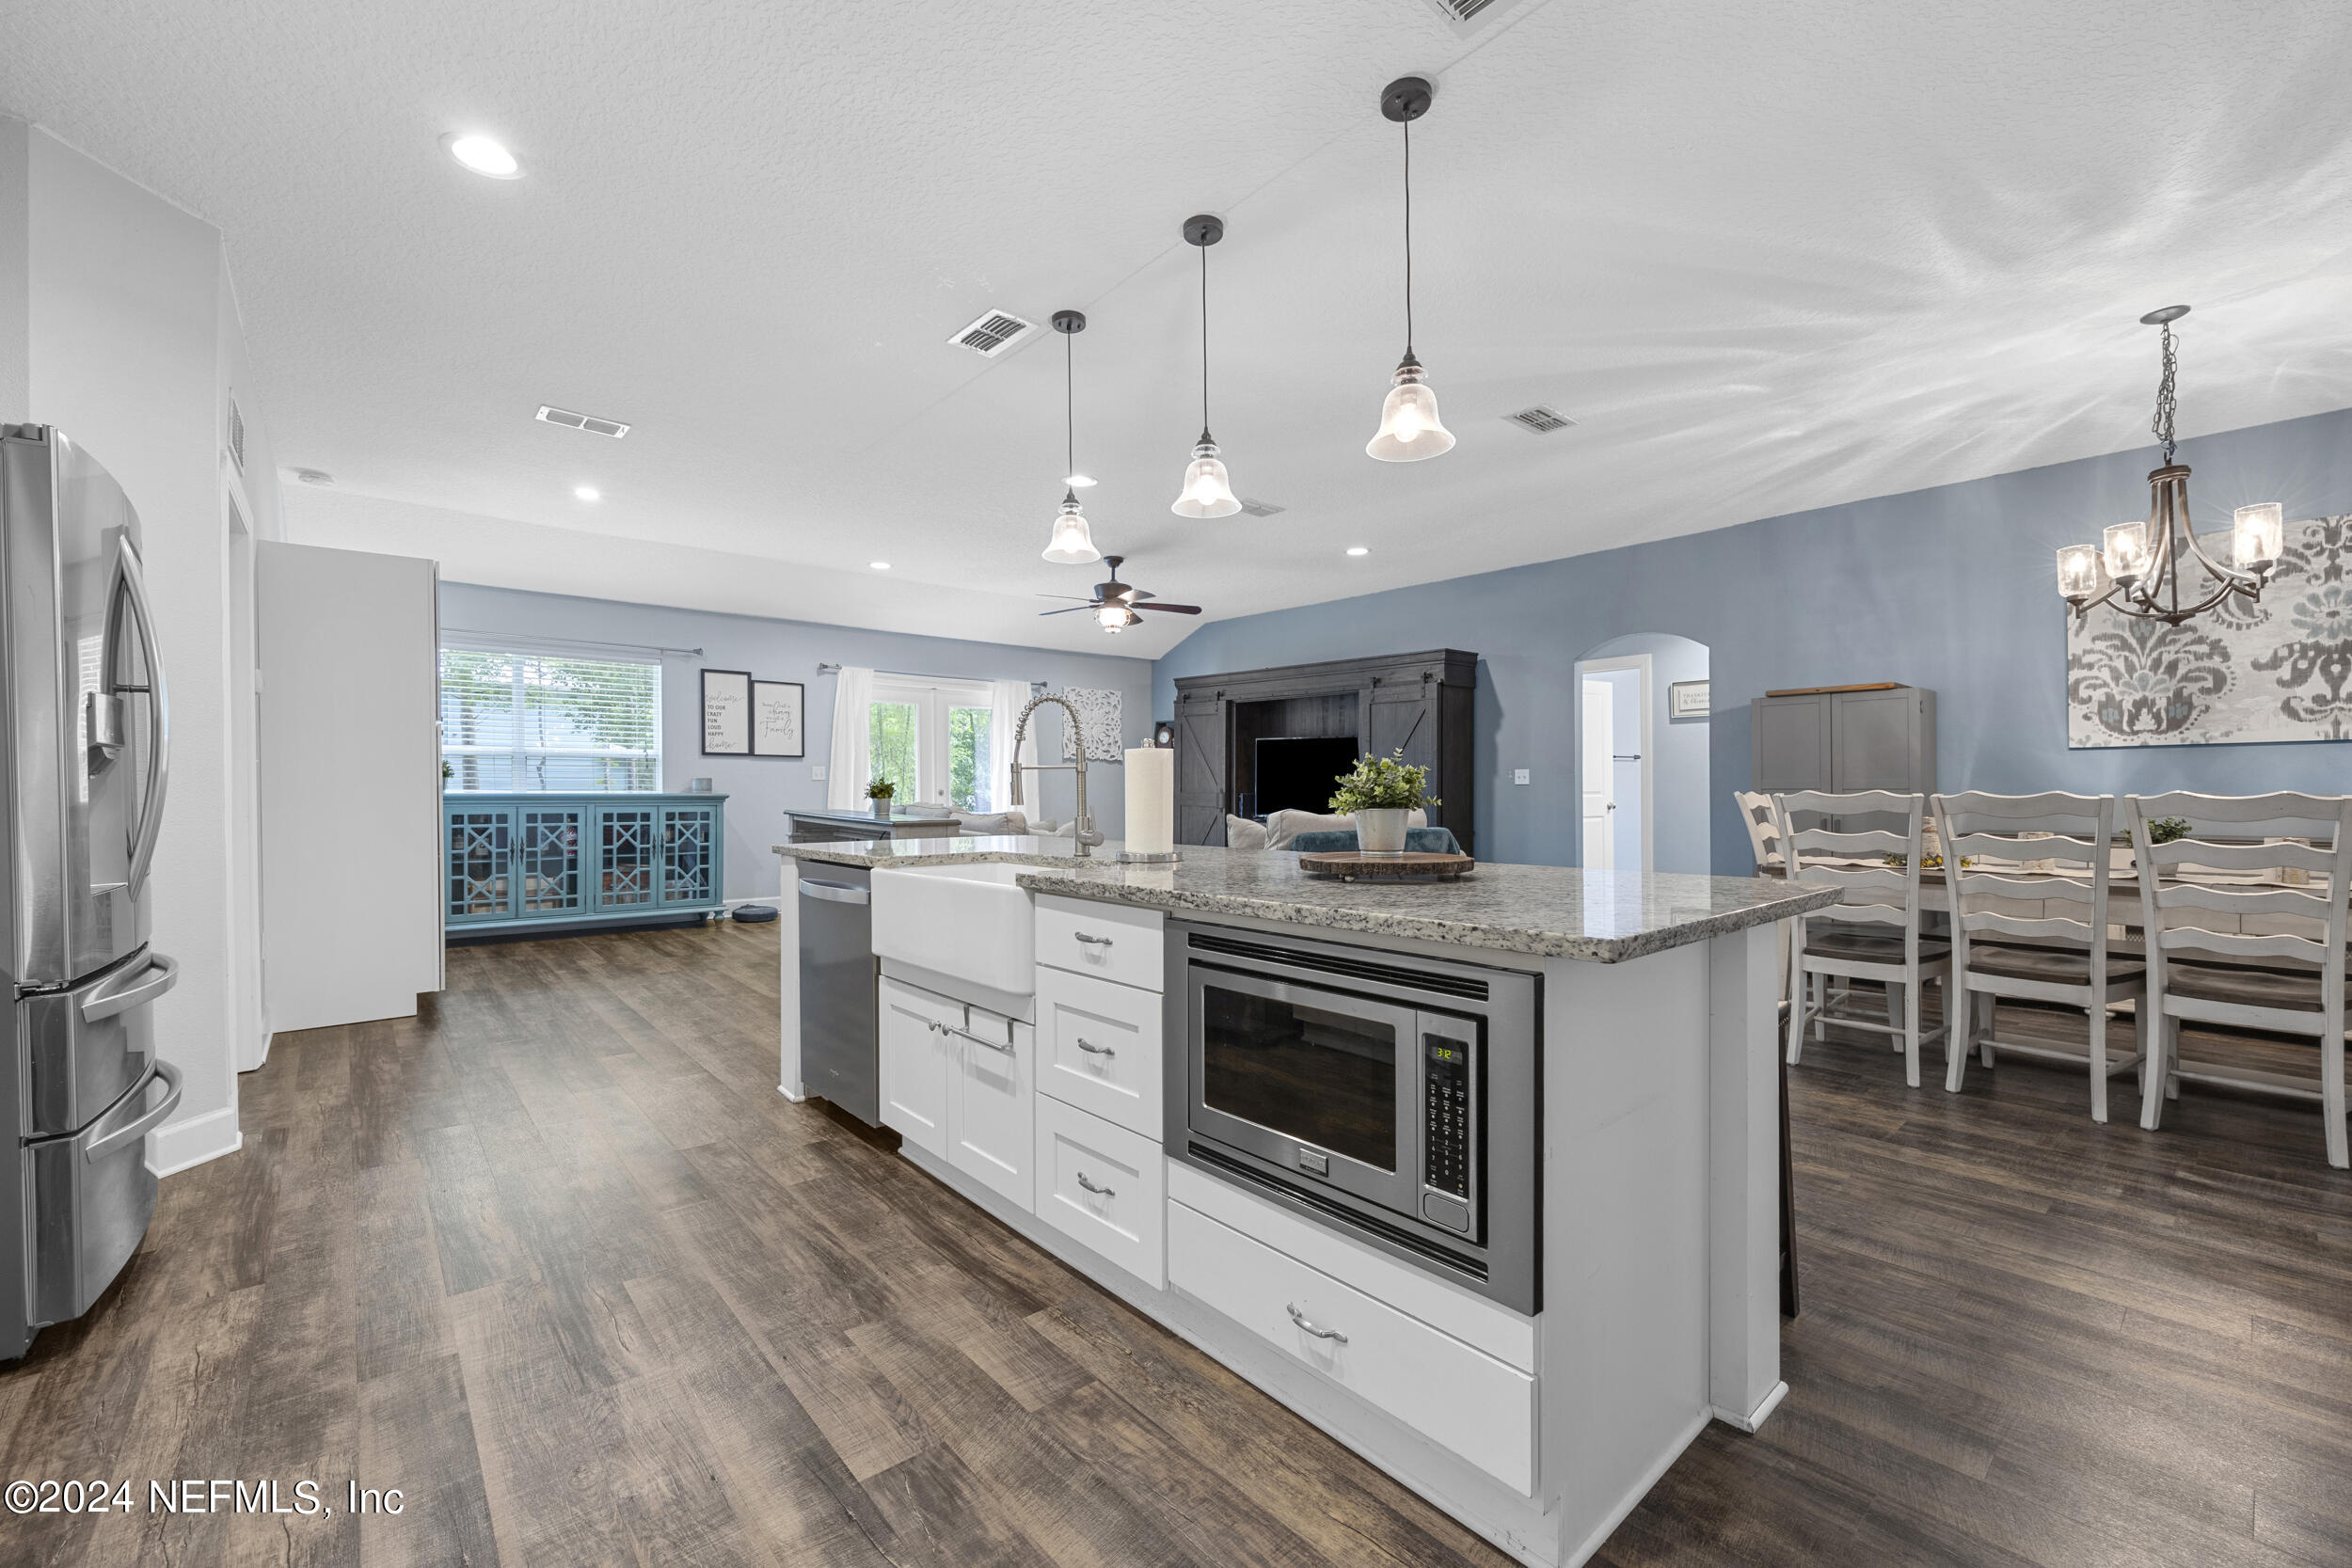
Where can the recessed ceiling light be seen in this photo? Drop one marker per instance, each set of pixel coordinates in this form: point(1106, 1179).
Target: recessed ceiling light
point(482, 155)
point(1358, 550)
point(879, 565)
point(1078, 482)
point(587, 492)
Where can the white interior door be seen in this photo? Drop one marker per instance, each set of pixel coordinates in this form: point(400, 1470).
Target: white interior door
point(1599, 744)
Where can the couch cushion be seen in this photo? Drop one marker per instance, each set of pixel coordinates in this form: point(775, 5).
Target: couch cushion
point(1418, 840)
point(1283, 826)
point(1242, 833)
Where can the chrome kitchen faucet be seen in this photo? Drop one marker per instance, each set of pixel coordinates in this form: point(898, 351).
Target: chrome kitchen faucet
point(1082, 830)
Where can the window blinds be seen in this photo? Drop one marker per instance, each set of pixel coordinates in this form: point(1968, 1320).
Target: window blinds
point(514, 719)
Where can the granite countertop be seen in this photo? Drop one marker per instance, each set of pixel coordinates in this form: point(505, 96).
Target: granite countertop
point(1547, 911)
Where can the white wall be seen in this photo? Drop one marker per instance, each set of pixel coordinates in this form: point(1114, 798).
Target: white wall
point(130, 340)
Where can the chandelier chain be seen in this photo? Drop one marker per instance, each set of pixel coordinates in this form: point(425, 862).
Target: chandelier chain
point(2166, 402)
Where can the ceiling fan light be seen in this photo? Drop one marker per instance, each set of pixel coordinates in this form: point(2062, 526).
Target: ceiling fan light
point(1116, 616)
point(1409, 427)
point(1072, 540)
point(1207, 492)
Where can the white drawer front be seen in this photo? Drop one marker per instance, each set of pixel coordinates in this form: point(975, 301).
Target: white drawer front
point(1113, 940)
point(1103, 1185)
point(1099, 1048)
point(1458, 1398)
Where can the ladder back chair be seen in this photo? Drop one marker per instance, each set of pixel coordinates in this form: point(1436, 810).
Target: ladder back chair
point(1874, 933)
point(2267, 958)
point(1763, 824)
point(2008, 940)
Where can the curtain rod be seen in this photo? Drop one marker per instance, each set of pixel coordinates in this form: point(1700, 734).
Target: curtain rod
point(830, 669)
point(567, 642)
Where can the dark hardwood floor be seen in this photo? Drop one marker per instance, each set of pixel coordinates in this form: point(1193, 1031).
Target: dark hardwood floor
point(557, 1262)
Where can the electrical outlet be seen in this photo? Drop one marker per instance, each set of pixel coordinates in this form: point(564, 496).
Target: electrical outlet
point(1519, 775)
point(817, 773)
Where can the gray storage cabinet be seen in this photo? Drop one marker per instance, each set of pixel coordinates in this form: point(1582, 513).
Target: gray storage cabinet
point(1844, 741)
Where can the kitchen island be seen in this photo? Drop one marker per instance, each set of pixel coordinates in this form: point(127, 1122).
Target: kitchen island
point(1568, 1263)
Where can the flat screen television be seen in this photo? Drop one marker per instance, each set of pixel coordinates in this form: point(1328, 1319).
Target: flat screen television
point(1298, 774)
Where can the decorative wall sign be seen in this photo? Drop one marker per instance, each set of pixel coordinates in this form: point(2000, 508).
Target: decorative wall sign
point(2279, 670)
point(1687, 700)
point(726, 713)
point(777, 708)
point(1102, 716)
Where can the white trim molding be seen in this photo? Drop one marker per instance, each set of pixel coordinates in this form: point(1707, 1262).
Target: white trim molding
point(186, 1144)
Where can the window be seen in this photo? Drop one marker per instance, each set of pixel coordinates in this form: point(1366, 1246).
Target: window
point(933, 740)
point(516, 719)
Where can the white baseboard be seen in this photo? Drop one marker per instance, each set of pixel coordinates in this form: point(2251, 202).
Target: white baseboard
point(176, 1147)
point(1756, 1418)
point(796, 1099)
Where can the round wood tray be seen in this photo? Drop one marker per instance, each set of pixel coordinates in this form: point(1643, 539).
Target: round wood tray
point(1353, 864)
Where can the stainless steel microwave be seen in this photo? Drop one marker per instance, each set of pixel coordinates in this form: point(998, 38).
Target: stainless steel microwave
point(1394, 1097)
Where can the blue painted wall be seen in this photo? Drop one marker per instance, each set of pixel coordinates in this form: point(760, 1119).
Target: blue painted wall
point(761, 789)
point(1949, 587)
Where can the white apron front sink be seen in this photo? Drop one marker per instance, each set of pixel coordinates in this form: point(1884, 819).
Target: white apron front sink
point(967, 922)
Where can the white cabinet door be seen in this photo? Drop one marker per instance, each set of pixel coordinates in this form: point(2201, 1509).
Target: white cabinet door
point(992, 1125)
point(916, 1051)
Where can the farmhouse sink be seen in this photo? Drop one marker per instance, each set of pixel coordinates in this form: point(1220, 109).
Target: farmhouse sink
point(966, 922)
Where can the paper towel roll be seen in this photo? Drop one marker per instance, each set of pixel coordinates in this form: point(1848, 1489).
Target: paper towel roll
point(1151, 801)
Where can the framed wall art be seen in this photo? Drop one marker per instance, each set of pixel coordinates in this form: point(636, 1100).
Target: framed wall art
point(777, 710)
point(726, 713)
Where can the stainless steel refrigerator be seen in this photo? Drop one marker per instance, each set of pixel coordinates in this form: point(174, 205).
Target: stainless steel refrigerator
point(84, 753)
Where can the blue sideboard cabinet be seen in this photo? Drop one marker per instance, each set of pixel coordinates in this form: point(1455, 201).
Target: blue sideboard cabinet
point(525, 861)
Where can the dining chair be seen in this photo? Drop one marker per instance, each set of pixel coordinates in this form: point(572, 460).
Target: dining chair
point(2268, 958)
point(1763, 824)
point(1873, 932)
point(2008, 941)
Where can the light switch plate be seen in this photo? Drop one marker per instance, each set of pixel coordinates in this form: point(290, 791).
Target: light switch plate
point(818, 773)
point(1519, 775)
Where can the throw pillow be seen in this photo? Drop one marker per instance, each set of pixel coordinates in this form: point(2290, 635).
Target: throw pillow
point(1242, 833)
point(1283, 826)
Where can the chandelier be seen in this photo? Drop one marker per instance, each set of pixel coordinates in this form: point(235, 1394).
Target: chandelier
point(2136, 568)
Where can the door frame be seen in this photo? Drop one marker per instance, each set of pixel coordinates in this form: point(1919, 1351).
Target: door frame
point(1585, 667)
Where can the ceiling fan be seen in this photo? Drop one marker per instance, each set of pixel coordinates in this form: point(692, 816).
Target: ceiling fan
point(1115, 603)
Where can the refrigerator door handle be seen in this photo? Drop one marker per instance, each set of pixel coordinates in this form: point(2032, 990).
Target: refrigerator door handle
point(159, 754)
point(148, 1121)
point(106, 999)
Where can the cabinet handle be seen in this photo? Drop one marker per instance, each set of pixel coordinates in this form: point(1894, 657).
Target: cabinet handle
point(1300, 1318)
point(976, 1040)
point(1093, 1050)
point(1090, 1186)
point(1092, 941)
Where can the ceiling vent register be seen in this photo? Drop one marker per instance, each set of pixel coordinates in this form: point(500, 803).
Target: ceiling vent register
point(993, 332)
point(1258, 508)
point(1542, 418)
point(582, 421)
point(1466, 15)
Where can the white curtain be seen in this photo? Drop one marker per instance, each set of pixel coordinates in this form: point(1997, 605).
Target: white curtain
point(847, 774)
point(1006, 701)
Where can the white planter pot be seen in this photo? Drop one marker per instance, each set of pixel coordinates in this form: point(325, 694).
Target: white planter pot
point(882, 809)
point(1381, 832)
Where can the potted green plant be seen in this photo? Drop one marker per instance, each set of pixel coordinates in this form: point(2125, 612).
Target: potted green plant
point(881, 792)
point(1380, 792)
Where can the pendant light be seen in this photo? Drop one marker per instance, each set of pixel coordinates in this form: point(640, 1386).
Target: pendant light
point(1409, 427)
point(1072, 542)
point(1207, 492)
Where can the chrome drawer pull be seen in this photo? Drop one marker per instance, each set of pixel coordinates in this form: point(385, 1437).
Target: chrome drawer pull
point(978, 1040)
point(1090, 1186)
point(1092, 942)
point(1093, 1050)
point(1300, 1318)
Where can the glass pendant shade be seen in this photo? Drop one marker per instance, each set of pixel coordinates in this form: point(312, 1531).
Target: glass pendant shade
point(1073, 544)
point(2258, 536)
point(1207, 492)
point(1115, 617)
point(2078, 571)
point(1409, 427)
point(2128, 550)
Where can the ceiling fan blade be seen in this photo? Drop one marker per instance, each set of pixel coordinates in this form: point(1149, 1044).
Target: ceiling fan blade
point(1071, 610)
point(1134, 593)
point(1171, 608)
point(1071, 597)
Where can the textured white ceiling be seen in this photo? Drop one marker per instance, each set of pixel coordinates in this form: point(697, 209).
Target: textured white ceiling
point(1771, 256)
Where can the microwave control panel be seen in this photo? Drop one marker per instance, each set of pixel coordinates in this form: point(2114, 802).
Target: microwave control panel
point(1446, 1114)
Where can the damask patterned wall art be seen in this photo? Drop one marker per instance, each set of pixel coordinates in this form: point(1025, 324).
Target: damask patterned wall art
point(2279, 670)
point(1102, 715)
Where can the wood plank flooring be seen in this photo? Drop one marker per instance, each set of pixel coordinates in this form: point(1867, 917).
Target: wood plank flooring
point(556, 1260)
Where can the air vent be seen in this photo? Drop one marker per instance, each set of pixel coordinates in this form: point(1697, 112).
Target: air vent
point(1543, 418)
point(1259, 509)
point(314, 476)
point(992, 333)
point(236, 433)
point(582, 421)
point(1466, 14)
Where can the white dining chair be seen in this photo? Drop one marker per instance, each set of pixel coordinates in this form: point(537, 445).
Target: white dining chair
point(1873, 932)
point(2008, 940)
point(2267, 958)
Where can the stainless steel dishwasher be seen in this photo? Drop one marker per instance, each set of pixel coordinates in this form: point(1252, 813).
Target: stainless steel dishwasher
point(839, 1056)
